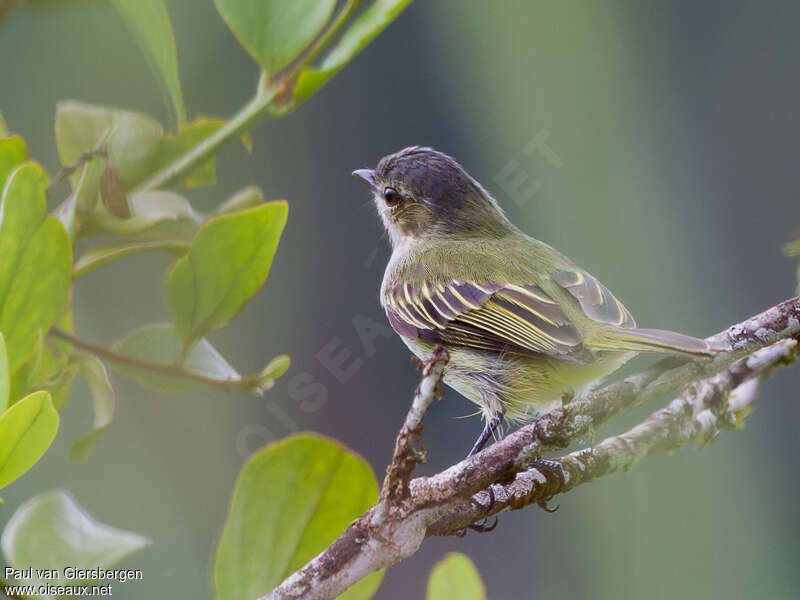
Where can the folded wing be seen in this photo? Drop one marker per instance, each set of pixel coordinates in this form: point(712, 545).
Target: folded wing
point(502, 318)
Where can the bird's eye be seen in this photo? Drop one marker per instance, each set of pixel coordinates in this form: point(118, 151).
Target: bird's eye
point(392, 196)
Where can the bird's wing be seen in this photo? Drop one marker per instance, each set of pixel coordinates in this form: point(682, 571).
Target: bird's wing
point(503, 318)
point(600, 305)
point(596, 301)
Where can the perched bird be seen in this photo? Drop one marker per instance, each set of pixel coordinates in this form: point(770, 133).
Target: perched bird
point(525, 327)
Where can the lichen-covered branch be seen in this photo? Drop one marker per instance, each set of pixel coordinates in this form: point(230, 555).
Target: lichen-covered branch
point(705, 407)
point(714, 395)
point(408, 449)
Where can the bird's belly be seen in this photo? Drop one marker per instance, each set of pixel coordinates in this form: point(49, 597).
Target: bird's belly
point(521, 387)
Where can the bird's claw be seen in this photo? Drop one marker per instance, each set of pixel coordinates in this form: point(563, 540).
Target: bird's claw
point(543, 504)
point(552, 467)
point(481, 526)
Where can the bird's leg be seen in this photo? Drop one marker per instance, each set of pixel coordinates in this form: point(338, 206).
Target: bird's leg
point(488, 431)
point(481, 526)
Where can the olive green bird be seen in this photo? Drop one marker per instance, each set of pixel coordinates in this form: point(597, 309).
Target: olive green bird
point(525, 327)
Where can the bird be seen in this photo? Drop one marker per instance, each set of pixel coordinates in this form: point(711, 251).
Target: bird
point(526, 329)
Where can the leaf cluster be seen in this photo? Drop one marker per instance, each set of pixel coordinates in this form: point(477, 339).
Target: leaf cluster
point(130, 180)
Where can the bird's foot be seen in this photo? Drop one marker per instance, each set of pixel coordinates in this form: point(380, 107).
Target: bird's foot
point(482, 526)
point(549, 467)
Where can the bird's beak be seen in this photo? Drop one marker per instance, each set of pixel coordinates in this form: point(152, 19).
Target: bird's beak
point(367, 175)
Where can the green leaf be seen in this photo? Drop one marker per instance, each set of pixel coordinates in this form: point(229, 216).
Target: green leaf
point(3, 126)
point(241, 200)
point(44, 371)
point(5, 379)
point(275, 32)
point(266, 379)
point(83, 197)
point(229, 261)
point(455, 577)
point(155, 214)
point(94, 371)
point(36, 265)
point(277, 367)
point(149, 22)
point(52, 531)
point(26, 431)
point(47, 370)
point(360, 33)
point(175, 145)
point(103, 255)
point(13, 152)
point(131, 139)
point(159, 343)
point(291, 500)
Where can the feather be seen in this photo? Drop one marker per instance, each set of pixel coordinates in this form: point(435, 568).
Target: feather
point(501, 318)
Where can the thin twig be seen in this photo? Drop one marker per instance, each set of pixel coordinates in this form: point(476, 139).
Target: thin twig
point(246, 383)
point(82, 159)
point(408, 449)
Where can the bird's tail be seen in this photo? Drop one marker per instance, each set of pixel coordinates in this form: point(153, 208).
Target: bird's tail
point(655, 340)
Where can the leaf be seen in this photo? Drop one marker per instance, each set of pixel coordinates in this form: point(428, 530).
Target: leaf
point(131, 139)
point(159, 343)
point(229, 261)
point(266, 379)
point(13, 152)
point(275, 32)
point(155, 214)
point(242, 200)
point(36, 265)
point(47, 370)
point(5, 378)
point(94, 371)
point(291, 500)
point(26, 431)
point(245, 198)
point(103, 255)
point(455, 577)
point(112, 192)
point(361, 32)
point(3, 126)
point(52, 531)
point(276, 367)
point(149, 22)
point(175, 145)
point(82, 197)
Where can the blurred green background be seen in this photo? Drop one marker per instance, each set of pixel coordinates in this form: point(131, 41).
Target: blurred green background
point(655, 143)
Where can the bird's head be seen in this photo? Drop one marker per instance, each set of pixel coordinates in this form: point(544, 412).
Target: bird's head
point(421, 192)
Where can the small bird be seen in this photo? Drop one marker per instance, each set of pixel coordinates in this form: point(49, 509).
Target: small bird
point(525, 327)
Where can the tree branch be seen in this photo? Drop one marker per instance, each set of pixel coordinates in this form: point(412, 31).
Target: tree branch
point(719, 402)
point(249, 383)
point(406, 455)
point(716, 394)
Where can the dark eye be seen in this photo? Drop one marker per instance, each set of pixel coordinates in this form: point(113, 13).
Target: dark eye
point(392, 196)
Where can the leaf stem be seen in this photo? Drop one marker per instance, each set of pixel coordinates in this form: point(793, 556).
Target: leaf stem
point(112, 356)
point(324, 39)
point(253, 112)
point(104, 255)
point(249, 115)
